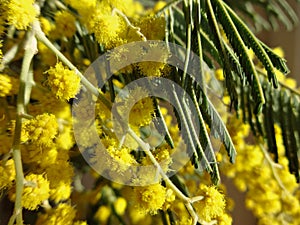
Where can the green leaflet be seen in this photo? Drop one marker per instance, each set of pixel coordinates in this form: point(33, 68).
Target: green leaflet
point(209, 47)
point(288, 135)
point(269, 130)
point(278, 62)
point(293, 154)
point(252, 42)
point(205, 141)
point(242, 82)
point(188, 132)
point(162, 124)
point(240, 49)
point(210, 115)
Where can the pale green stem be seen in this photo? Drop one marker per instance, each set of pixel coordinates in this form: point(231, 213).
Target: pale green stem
point(282, 84)
point(137, 29)
point(187, 200)
point(146, 149)
point(30, 51)
point(8, 56)
point(40, 35)
point(273, 167)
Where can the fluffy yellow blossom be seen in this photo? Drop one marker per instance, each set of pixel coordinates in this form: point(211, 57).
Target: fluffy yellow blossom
point(153, 27)
point(137, 218)
point(129, 7)
point(20, 13)
point(65, 24)
point(224, 219)
point(61, 191)
point(64, 83)
point(36, 154)
point(46, 25)
point(102, 214)
point(162, 155)
point(212, 205)
point(219, 73)
point(84, 8)
point(182, 217)
point(150, 69)
point(63, 214)
point(8, 85)
point(47, 56)
point(41, 130)
point(107, 28)
point(106, 25)
point(270, 195)
point(120, 205)
point(266, 220)
point(122, 157)
point(291, 204)
point(149, 199)
point(80, 223)
point(5, 85)
point(60, 176)
point(141, 111)
point(8, 173)
point(65, 139)
point(36, 190)
point(155, 61)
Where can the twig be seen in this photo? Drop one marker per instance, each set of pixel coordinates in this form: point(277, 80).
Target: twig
point(40, 35)
point(24, 91)
point(260, 71)
point(9, 55)
point(272, 166)
point(137, 29)
point(187, 200)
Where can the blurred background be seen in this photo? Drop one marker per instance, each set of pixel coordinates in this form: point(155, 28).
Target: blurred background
point(289, 41)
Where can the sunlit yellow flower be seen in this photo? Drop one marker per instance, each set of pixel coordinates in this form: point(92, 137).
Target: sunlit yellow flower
point(41, 130)
point(20, 13)
point(64, 83)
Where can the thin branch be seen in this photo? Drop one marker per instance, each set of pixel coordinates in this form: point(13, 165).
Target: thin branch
point(9, 56)
point(24, 91)
point(40, 35)
point(137, 29)
point(295, 91)
point(187, 200)
point(273, 167)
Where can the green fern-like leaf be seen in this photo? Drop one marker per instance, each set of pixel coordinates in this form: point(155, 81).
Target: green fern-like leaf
point(252, 42)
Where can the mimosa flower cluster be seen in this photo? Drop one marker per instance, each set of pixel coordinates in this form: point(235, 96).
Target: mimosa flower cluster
point(273, 196)
point(45, 48)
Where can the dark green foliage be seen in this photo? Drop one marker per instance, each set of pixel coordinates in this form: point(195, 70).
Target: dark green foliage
point(220, 33)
